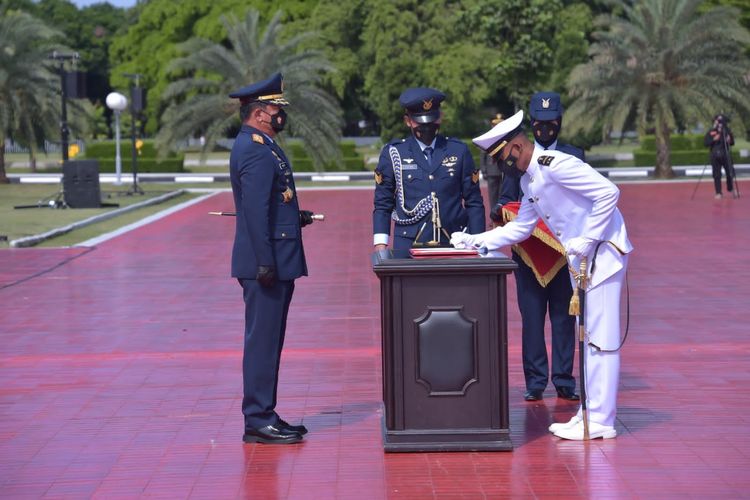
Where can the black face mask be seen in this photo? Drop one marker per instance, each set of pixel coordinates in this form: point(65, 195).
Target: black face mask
point(545, 133)
point(509, 166)
point(278, 121)
point(426, 132)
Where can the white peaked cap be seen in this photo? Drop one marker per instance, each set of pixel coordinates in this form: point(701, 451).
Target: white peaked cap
point(495, 136)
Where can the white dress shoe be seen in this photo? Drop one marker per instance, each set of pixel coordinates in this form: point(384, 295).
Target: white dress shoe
point(565, 425)
point(596, 431)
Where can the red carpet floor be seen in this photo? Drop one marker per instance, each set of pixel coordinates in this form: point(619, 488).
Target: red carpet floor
point(120, 369)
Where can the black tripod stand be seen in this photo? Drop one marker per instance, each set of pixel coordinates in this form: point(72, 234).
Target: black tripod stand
point(56, 200)
point(729, 162)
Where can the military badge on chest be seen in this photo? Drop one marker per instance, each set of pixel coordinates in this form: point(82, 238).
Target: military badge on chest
point(449, 162)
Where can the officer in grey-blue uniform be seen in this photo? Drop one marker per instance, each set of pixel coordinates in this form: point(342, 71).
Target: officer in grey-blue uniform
point(267, 255)
point(534, 299)
point(424, 176)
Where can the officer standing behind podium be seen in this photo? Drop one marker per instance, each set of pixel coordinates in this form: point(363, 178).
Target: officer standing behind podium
point(491, 172)
point(411, 170)
point(267, 255)
point(534, 299)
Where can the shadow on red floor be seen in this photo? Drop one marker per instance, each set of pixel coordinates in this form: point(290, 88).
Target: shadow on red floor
point(120, 369)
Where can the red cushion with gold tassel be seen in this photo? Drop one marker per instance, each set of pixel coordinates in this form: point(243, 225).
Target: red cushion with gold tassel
point(542, 252)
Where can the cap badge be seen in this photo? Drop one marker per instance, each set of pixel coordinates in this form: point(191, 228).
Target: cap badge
point(427, 104)
point(545, 102)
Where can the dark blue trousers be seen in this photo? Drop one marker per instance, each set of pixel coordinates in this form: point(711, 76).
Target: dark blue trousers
point(534, 300)
point(266, 311)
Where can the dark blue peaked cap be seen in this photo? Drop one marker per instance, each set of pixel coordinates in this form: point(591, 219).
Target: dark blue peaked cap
point(270, 91)
point(545, 106)
point(422, 103)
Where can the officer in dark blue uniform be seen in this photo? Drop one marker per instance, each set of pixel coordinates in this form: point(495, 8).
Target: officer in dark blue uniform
point(533, 298)
point(267, 255)
point(427, 183)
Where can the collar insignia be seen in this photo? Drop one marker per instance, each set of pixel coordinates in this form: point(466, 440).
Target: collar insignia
point(259, 139)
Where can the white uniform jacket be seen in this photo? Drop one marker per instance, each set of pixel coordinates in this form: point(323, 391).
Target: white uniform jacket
point(574, 200)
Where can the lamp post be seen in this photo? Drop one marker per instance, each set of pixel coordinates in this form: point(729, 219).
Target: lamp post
point(117, 103)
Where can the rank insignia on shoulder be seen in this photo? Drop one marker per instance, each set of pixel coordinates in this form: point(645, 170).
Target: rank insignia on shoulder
point(475, 176)
point(378, 177)
point(545, 160)
point(258, 138)
point(287, 195)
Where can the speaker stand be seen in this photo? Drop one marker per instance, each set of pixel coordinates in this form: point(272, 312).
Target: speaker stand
point(134, 189)
point(55, 201)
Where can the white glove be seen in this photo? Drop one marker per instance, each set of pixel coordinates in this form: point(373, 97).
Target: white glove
point(580, 246)
point(464, 240)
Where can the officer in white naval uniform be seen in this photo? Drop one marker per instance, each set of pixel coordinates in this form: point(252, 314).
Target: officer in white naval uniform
point(579, 205)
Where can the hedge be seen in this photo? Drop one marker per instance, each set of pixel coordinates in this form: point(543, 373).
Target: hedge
point(302, 162)
point(148, 161)
point(106, 149)
point(648, 158)
point(682, 142)
point(145, 165)
point(350, 165)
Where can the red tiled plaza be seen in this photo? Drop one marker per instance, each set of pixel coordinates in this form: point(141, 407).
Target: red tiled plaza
point(120, 369)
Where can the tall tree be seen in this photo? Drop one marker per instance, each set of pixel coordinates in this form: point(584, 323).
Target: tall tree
point(661, 64)
point(151, 41)
point(27, 86)
point(210, 71)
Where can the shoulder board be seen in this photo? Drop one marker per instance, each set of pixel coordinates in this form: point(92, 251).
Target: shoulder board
point(545, 160)
point(258, 138)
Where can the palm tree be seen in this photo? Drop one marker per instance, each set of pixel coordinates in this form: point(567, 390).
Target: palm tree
point(27, 85)
point(212, 71)
point(662, 64)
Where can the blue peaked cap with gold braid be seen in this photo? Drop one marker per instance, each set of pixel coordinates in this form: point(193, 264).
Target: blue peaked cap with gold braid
point(270, 91)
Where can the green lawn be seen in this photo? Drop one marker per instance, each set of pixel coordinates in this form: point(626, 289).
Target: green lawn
point(17, 223)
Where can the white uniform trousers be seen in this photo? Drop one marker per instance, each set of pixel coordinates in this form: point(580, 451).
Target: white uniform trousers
point(603, 367)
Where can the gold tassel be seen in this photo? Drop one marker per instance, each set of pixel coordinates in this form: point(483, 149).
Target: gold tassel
point(575, 304)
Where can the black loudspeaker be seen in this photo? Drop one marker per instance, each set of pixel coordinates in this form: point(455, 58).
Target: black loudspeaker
point(75, 85)
point(138, 99)
point(81, 184)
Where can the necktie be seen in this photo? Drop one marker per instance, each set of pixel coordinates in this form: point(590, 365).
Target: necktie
point(428, 154)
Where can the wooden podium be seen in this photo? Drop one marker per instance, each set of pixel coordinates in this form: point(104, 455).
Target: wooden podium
point(445, 351)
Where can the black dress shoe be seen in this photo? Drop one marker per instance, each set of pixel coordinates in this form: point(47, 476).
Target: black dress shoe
point(299, 429)
point(271, 434)
point(568, 393)
point(533, 395)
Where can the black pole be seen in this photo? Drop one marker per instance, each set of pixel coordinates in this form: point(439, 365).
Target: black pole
point(64, 133)
point(134, 152)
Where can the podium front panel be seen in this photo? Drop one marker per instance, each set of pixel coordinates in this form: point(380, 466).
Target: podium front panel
point(445, 384)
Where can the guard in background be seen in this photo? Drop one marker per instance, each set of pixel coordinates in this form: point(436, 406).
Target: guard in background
point(491, 172)
point(267, 255)
point(719, 139)
point(537, 293)
point(424, 177)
